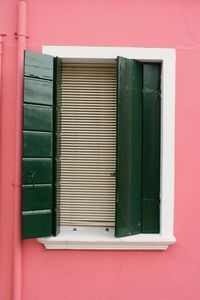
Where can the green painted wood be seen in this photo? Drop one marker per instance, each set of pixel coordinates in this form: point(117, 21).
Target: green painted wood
point(129, 147)
point(38, 91)
point(37, 144)
point(57, 165)
point(37, 197)
point(150, 216)
point(56, 136)
point(38, 117)
point(37, 179)
point(58, 70)
point(37, 170)
point(36, 224)
point(38, 65)
point(151, 148)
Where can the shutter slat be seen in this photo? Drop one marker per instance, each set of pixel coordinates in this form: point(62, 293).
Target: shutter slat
point(87, 146)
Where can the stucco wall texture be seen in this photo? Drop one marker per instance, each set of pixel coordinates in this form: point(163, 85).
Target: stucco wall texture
point(109, 275)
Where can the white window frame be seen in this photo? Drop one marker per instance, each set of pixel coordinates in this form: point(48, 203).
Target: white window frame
point(96, 238)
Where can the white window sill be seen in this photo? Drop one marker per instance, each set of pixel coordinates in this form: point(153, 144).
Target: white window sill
point(100, 239)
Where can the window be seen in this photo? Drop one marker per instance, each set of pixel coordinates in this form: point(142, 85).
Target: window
point(81, 238)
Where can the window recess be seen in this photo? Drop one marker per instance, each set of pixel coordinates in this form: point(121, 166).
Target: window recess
point(108, 150)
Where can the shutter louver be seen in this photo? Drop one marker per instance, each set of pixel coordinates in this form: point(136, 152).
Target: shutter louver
point(129, 147)
point(88, 145)
point(37, 146)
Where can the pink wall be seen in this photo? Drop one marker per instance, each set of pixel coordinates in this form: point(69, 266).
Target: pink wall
point(109, 275)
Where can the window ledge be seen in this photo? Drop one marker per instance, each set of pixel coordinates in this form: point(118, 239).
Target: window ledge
point(100, 239)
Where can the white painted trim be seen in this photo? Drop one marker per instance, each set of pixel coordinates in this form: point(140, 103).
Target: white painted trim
point(99, 238)
point(167, 57)
point(79, 52)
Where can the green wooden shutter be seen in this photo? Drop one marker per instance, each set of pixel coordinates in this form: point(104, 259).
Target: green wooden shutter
point(129, 148)
point(37, 176)
point(151, 148)
point(138, 148)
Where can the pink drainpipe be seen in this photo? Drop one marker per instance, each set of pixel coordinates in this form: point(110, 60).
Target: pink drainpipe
point(1, 79)
point(17, 267)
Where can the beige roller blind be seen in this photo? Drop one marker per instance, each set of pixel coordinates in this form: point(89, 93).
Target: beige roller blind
point(88, 145)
